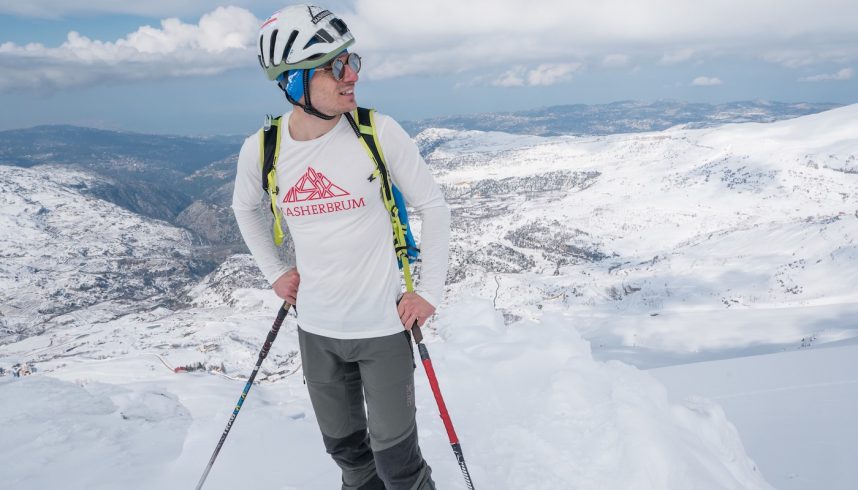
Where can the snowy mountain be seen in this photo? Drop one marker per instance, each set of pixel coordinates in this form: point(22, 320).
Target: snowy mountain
point(188, 181)
point(70, 258)
point(743, 216)
point(578, 264)
point(170, 178)
point(619, 117)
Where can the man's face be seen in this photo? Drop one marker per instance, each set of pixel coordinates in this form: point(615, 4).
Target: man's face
point(331, 96)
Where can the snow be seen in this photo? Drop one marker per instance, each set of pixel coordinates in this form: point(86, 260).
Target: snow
point(794, 410)
point(687, 222)
point(532, 408)
point(709, 345)
point(543, 413)
point(64, 251)
point(62, 434)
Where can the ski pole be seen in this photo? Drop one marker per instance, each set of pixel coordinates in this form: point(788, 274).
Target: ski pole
point(442, 407)
point(281, 315)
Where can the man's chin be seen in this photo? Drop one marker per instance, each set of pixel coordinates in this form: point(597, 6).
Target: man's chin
point(346, 108)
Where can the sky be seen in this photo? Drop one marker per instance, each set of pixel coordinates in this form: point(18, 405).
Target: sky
point(189, 66)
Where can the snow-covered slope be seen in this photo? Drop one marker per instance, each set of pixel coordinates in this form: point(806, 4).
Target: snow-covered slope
point(532, 407)
point(747, 216)
point(794, 410)
point(64, 252)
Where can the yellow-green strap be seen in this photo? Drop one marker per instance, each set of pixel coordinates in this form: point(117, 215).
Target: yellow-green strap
point(272, 124)
point(400, 247)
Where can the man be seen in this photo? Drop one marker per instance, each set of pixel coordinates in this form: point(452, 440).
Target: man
point(354, 337)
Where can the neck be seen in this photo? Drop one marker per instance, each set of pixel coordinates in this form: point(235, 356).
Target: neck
point(305, 127)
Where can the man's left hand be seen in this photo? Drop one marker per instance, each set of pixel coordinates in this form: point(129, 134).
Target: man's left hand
point(413, 308)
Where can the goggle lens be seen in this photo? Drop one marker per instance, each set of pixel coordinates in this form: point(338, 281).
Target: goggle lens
point(338, 66)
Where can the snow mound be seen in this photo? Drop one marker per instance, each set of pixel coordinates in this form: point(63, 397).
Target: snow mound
point(537, 411)
point(88, 435)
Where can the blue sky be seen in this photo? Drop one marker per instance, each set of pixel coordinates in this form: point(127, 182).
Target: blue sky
point(189, 67)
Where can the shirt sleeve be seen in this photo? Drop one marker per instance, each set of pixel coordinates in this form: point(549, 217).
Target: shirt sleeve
point(413, 178)
point(251, 212)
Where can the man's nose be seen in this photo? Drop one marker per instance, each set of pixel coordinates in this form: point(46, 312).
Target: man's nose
point(349, 75)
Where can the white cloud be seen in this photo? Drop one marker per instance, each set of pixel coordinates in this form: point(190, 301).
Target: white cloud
point(512, 78)
point(150, 8)
point(542, 75)
point(55, 9)
point(455, 36)
point(550, 74)
point(449, 36)
point(792, 58)
point(844, 74)
point(706, 82)
point(615, 60)
point(221, 41)
point(677, 56)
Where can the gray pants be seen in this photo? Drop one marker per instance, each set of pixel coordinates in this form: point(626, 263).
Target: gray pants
point(339, 375)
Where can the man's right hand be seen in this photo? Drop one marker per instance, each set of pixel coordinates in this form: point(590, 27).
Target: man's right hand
point(286, 286)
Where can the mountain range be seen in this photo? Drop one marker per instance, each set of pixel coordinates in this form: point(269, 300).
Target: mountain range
point(609, 210)
point(187, 181)
point(619, 117)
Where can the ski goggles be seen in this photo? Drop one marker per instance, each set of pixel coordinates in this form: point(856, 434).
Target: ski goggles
point(337, 66)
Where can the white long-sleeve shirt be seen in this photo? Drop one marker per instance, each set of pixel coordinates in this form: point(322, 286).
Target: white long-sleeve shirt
point(350, 279)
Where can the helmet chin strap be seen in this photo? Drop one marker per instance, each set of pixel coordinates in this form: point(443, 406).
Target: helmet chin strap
point(308, 107)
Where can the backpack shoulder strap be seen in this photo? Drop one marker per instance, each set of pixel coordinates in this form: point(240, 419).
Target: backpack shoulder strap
point(269, 147)
point(362, 121)
point(365, 129)
point(269, 151)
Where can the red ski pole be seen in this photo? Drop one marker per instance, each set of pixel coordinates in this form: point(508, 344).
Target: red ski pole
point(442, 407)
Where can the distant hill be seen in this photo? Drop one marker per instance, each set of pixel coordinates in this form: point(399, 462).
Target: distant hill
point(113, 152)
point(157, 176)
point(619, 117)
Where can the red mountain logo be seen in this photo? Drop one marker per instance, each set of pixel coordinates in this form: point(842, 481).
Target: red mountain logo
point(312, 186)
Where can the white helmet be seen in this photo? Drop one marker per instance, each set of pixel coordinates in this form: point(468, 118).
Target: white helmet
point(300, 36)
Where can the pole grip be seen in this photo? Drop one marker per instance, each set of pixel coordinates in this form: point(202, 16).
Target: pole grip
point(272, 334)
point(417, 333)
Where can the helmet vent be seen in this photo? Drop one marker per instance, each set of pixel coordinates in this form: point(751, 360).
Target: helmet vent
point(340, 26)
point(323, 34)
point(319, 38)
point(288, 47)
point(271, 46)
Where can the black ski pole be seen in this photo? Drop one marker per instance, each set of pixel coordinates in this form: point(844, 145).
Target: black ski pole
point(281, 315)
point(442, 407)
